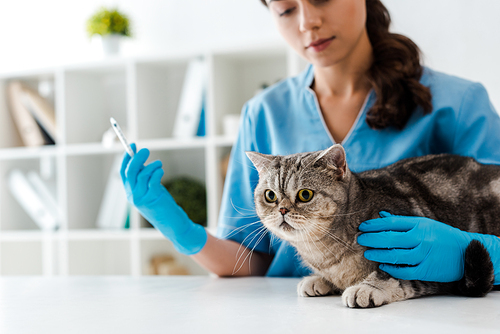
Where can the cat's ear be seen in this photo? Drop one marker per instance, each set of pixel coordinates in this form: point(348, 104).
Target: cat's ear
point(334, 157)
point(260, 161)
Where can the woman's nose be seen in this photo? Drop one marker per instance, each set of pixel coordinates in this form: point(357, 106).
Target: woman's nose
point(310, 17)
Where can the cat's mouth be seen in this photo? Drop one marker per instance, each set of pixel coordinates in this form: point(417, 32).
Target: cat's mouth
point(285, 226)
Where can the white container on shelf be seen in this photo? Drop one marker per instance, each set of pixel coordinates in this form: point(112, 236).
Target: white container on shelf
point(111, 44)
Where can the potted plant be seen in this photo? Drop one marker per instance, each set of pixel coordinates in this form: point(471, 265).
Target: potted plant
point(111, 26)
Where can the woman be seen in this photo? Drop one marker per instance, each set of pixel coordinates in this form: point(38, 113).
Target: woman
point(365, 89)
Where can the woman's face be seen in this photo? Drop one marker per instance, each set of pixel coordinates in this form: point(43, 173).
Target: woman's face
point(324, 32)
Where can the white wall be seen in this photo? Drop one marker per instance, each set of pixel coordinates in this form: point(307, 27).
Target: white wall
point(51, 31)
point(461, 37)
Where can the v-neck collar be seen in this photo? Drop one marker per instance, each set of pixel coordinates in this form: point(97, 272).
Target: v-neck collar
point(308, 80)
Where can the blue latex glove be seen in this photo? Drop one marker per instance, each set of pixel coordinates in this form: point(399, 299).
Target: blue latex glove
point(145, 191)
point(434, 250)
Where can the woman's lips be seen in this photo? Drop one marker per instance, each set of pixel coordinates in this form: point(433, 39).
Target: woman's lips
point(321, 44)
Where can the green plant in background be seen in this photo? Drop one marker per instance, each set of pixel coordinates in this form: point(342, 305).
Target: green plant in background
point(105, 22)
point(190, 195)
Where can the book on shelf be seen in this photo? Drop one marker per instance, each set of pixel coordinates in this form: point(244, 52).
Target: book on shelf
point(41, 110)
point(114, 210)
point(32, 114)
point(9, 135)
point(35, 198)
point(190, 118)
point(201, 124)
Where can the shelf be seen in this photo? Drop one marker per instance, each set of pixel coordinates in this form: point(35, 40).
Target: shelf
point(27, 235)
point(146, 233)
point(117, 148)
point(21, 258)
point(142, 94)
point(238, 77)
point(99, 257)
point(19, 153)
point(96, 234)
point(30, 75)
point(150, 233)
point(224, 141)
point(12, 214)
point(150, 248)
point(174, 144)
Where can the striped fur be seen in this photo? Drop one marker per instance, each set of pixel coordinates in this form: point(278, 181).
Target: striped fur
point(452, 189)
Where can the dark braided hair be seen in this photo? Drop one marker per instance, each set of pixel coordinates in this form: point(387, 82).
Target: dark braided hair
point(394, 73)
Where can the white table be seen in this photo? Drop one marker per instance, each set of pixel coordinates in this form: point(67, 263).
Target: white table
point(196, 304)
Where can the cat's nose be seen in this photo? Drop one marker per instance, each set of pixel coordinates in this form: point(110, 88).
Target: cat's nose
point(284, 211)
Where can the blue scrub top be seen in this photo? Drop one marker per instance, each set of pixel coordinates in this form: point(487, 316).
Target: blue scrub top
point(286, 118)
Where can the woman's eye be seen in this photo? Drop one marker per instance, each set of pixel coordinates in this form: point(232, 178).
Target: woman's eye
point(270, 196)
point(286, 12)
point(305, 195)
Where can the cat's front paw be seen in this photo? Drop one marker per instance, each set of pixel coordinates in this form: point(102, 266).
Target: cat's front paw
point(364, 296)
point(312, 286)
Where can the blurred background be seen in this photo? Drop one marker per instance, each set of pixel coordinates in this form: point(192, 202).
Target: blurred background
point(457, 36)
point(68, 87)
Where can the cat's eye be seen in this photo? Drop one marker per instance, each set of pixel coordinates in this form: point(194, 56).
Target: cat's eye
point(270, 196)
point(305, 195)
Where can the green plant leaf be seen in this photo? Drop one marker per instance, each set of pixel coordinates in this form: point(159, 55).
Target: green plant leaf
point(191, 196)
point(108, 21)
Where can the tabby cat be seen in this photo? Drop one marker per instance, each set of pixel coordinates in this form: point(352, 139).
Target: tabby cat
point(313, 201)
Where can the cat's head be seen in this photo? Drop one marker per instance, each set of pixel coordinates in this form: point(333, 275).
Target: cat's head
point(298, 195)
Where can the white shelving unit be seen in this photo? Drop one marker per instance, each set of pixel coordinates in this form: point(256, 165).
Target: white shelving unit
point(142, 95)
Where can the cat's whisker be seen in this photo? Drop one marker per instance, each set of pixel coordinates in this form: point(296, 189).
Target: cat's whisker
point(262, 230)
point(251, 252)
point(327, 248)
point(307, 245)
point(244, 163)
point(236, 230)
point(251, 166)
point(273, 239)
point(236, 268)
point(337, 215)
point(342, 242)
point(240, 217)
point(319, 251)
point(236, 208)
point(257, 231)
point(306, 222)
point(333, 236)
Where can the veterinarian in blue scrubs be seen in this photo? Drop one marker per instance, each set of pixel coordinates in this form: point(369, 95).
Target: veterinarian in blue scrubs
point(366, 89)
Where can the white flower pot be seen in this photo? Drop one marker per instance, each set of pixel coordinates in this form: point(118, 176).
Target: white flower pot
point(111, 44)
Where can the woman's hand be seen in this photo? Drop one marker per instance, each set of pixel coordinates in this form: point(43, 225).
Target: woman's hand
point(434, 251)
point(145, 191)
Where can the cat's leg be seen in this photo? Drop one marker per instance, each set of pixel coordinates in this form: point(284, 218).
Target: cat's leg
point(379, 288)
point(316, 285)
